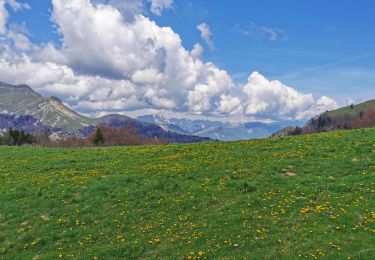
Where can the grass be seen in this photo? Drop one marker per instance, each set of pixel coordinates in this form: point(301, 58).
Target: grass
point(299, 197)
point(352, 111)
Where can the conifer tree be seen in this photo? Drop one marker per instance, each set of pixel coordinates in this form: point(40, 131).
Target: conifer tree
point(99, 138)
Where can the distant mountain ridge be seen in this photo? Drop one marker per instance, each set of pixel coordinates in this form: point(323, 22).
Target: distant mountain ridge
point(149, 129)
point(214, 129)
point(23, 108)
point(351, 117)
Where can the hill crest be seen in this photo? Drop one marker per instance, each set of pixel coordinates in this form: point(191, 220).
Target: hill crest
point(346, 118)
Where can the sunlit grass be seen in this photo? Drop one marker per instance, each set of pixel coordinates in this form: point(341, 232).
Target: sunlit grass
point(309, 197)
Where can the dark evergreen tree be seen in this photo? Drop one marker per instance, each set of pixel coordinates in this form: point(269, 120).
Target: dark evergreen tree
point(17, 137)
point(99, 138)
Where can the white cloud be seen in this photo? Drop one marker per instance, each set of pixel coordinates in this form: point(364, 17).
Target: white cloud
point(3, 17)
point(276, 99)
point(204, 94)
point(261, 31)
point(206, 34)
point(158, 99)
point(150, 56)
point(197, 51)
point(118, 49)
point(20, 41)
point(131, 8)
point(323, 104)
point(17, 6)
point(147, 76)
point(157, 6)
point(230, 105)
point(49, 52)
point(272, 33)
point(108, 63)
point(43, 76)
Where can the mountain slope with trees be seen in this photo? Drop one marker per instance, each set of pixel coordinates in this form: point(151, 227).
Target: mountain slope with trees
point(351, 117)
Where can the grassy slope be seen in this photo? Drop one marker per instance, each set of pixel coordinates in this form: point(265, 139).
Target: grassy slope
point(18, 99)
point(309, 196)
point(356, 109)
point(67, 118)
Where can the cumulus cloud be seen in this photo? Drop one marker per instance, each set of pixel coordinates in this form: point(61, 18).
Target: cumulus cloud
point(274, 98)
point(230, 105)
point(108, 63)
point(150, 56)
point(206, 34)
point(147, 76)
point(131, 8)
point(321, 105)
point(201, 98)
point(197, 51)
point(146, 56)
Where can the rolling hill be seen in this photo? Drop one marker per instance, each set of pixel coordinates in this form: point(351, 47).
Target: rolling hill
point(308, 196)
point(351, 117)
point(352, 110)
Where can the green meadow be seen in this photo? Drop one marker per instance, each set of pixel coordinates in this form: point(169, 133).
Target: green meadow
point(302, 197)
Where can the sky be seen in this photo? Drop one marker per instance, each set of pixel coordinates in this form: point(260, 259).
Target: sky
point(239, 60)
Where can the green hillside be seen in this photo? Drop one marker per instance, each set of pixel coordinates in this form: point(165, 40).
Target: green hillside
point(308, 196)
point(352, 111)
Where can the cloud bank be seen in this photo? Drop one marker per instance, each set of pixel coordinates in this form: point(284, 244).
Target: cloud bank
point(115, 58)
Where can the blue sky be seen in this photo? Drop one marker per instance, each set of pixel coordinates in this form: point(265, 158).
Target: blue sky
point(325, 48)
point(329, 48)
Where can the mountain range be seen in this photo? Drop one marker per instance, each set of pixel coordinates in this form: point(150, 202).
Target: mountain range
point(214, 129)
point(23, 108)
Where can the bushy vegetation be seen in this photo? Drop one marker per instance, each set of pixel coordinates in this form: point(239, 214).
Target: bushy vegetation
point(120, 136)
point(296, 197)
point(326, 122)
point(16, 137)
point(342, 119)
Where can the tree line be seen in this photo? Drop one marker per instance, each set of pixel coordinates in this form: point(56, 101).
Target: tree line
point(17, 137)
point(324, 122)
point(102, 136)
